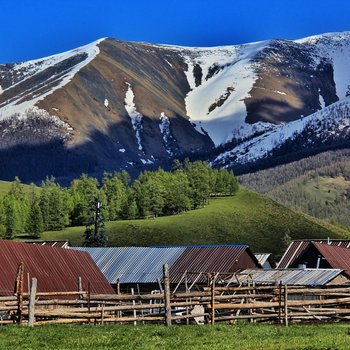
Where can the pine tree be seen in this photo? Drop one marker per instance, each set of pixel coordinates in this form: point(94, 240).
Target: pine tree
point(83, 191)
point(95, 232)
point(10, 220)
point(35, 223)
point(115, 193)
point(54, 205)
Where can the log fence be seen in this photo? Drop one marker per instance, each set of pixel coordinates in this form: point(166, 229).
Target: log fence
point(212, 304)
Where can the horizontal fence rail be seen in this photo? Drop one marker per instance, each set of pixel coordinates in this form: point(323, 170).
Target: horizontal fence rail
point(211, 304)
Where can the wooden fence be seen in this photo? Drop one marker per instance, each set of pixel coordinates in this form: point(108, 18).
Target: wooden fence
point(213, 303)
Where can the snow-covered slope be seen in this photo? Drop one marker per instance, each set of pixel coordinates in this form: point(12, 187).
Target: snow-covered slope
point(336, 48)
point(129, 105)
point(215, 103)
point(62, 68)
point(329, 124)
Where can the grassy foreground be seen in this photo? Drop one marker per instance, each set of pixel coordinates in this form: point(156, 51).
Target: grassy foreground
point(220, 337)
point(248, 218)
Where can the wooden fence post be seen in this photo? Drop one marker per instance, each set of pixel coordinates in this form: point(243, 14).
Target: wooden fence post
point(19, 291)
point(32, 298)
point(80, 287)
point(279, 302)
point(213, 301)
point(167, 295)
point(286, 305)
point(89, 300)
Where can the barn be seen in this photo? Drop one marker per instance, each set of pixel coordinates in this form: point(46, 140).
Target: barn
point(56, 269)
point(297, 248)
point(141, 268)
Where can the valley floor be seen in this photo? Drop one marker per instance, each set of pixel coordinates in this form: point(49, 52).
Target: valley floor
point(242, 336)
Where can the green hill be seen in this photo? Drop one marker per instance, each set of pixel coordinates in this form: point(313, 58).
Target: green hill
point(245, 218)
point(317, 185)
point(6, 185)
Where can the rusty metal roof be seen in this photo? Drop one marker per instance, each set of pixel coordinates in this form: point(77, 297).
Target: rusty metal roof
point(56, 269)
point(212, 259)
point(293, 277)
point(337, 256)
point(298, 247)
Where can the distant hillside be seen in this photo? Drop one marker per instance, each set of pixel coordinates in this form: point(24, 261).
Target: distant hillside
point(6, 185)
point(318, 185)
point(245, 218)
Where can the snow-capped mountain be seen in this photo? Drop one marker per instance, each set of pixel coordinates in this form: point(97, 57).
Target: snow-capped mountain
point(114, 105)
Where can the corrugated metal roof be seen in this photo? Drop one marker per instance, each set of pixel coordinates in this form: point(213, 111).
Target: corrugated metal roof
point(223, 259)
point(337, 256)
point(305, 277)
point(263, 258)
point(133, 264)
point(57, 244)
point(297, 247)
point(56, 269)
point(145, 264)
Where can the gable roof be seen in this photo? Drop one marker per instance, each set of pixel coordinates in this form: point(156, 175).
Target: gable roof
point(264, 258)
point(145, 264)
point(222, 259)
point(298, 247)
point(56, 269)
point(337, 257)
point(133, 264)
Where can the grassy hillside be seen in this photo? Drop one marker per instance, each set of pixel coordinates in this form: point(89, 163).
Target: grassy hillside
point(318, 185)
point(245, 218)
point(6, 185)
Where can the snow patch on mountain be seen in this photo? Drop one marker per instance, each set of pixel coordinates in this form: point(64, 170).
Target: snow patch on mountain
point(228, 70)
point(335, 47)
point(135, 116)
point(324, 123)
point(322, 101)
point(164, 127)
point(30, 68)
point(33, 126)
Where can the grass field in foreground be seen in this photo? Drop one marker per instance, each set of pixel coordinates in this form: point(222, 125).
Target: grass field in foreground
point(247, 218)
point(158, 337)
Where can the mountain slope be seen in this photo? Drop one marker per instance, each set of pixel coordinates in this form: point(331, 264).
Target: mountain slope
point(317, 185)
point(245, 218)
point(119, 105)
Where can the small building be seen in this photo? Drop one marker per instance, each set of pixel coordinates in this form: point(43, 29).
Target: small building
point(298, 247)
point(294, 277)
point(264, 260)
point(324, 256)
point(56, 269)
point(141, 268)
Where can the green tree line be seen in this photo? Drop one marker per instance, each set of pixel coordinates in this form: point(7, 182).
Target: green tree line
point(189, 185)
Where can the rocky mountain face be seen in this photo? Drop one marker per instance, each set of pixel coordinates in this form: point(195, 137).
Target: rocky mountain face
point(114, 105)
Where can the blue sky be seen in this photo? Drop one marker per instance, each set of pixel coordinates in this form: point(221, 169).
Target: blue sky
point(36, 28)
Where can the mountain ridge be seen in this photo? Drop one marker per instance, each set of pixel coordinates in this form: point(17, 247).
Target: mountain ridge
point(129, 105)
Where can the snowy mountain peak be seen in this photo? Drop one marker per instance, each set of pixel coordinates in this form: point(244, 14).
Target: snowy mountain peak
point(60, 69)
point(132, 105)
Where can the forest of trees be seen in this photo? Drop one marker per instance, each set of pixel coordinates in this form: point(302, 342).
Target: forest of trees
point(317, 185)
point(51, 207)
